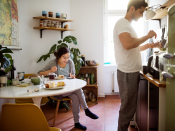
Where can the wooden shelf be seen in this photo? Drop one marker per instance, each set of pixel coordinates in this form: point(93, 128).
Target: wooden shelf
point(160, 13)
point(50, 28)
point(92, 85)
point(89, 67)
point(53, 19)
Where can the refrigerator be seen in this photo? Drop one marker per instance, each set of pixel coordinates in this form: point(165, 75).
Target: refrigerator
point(170, 82)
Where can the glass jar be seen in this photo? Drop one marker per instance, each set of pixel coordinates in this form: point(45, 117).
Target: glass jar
point(3, 81)
point(50, 14)
point(56, 25)
point(48, 24)
point(59, 24)
point(44, 24)
point(93, 98)
point(85, 94)
point(90, 95)
point(41, 23)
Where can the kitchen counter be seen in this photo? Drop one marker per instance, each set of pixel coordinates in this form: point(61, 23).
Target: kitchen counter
point(156, 82)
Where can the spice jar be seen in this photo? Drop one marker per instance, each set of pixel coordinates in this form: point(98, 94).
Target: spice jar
point(50, 14)
point(52, 24)
point(44, 24)
point(56, 24)
point(41, 23)
point(57, 15)
point(92, 78)
point(59, 24)
point(66, 26)
point(48, 24)
point(88, 81)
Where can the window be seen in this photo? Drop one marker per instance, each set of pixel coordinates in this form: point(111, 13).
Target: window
point(114, 10)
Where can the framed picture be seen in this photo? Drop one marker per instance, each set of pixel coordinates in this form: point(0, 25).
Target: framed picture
point(9, 29)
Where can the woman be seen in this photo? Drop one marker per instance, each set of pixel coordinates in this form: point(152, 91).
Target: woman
point(62, 65)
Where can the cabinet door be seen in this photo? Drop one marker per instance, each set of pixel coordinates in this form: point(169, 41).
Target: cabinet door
point(153, 108)
point(142, 105)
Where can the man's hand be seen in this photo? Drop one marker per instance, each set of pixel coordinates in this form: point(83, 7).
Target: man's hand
point(155, 45)
point(151, 34)
point(53, 69)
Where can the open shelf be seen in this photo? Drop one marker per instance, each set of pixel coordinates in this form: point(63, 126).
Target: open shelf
point(52, 28)
point(160, 13)
point(53, 19)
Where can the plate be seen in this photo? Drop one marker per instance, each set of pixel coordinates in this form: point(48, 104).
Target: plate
point(56, 88)
point(60, 78)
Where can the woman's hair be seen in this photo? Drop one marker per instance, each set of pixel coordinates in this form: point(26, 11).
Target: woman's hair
point(61, 51)
point(137, 4)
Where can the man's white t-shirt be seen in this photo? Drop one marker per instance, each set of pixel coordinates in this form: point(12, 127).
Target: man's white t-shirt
point(127, 60)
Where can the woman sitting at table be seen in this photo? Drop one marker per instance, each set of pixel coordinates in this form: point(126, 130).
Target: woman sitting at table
point(63, 65)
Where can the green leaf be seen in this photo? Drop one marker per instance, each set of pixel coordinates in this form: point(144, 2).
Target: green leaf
point(58, 47)
point(64, 45)
point(6, 51)
point(8, 69)
point(45, 57)
point(76, 52)
point(74, 40)
point(40, 58)
point(67, 39)
point(59, 42)
point(53, 48)
point(71, 55)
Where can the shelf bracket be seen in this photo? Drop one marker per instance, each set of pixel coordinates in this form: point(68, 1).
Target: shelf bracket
point(41, 32)
point(62, 34)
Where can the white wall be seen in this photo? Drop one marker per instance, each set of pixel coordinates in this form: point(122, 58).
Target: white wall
point(32, 45)
point(88, 25)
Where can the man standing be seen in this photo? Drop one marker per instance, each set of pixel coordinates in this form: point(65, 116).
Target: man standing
point(128, 58)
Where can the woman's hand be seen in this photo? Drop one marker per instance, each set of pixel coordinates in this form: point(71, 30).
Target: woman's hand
point(155, 45)
point(53, 69)
point(72, 76)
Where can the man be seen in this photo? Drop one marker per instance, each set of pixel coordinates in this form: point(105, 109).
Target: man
point(128, 58)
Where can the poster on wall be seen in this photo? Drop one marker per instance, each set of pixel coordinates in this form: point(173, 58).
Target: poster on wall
point(9, 24)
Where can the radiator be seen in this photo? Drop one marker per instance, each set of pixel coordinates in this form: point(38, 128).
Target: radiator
point(115, 87)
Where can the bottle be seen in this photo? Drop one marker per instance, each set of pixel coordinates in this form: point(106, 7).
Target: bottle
point(92, 78)
point(88, 81)
point(44, 24)
point(83, 58)
point(13, 71)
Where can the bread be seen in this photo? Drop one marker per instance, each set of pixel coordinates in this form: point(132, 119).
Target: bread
point(50, 85)
point(60, 83)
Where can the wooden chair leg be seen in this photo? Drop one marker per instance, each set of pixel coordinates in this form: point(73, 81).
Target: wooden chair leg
point(56, 111)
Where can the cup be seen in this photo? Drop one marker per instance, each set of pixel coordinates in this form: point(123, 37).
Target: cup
point(44, 13)
point(52, 76)
point(57, 15)
point(21, 75)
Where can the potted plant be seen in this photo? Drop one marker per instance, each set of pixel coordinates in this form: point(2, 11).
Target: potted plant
point(74, 52)
point(5, 59)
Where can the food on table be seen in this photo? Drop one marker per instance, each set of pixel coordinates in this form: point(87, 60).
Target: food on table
point(61, 76)
point(50, 85)
point(60, 83)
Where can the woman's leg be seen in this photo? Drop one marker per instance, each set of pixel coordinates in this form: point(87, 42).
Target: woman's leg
point(81, 97)
point(75, 107)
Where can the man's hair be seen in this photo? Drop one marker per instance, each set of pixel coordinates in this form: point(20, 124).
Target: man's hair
point(137, 4)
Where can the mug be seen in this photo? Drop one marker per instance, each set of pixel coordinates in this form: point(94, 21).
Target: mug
point(52, 76)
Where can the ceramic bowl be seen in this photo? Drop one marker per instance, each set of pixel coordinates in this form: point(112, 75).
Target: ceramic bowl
point(91, 62)
point(35, 80)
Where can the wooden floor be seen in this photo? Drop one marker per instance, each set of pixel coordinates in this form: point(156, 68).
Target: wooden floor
point(107, 109)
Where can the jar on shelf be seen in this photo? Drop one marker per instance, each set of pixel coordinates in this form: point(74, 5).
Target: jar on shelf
point(44, 13)
point(85, 94)
point(48, 24)
point(56, 25)
point(50, 14)
point(44, 24)
point(57, 15)
point(88, 81)
point(93, 98)
point(52, 24)
point(41, 23)
point(90, 95)
point(59, 24)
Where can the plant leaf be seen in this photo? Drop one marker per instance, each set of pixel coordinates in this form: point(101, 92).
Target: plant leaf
point(53, 48)
point(6, 51)
point(59, 42)
point(58, 47)
point(40, 58)
point(67, 39)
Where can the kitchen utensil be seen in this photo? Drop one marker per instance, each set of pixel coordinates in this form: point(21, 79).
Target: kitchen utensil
point(35, 80)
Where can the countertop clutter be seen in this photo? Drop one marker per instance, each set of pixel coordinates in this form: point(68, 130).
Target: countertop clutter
point(156, 82)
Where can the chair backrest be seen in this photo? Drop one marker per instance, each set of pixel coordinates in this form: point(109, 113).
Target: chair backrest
point(22, 117)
